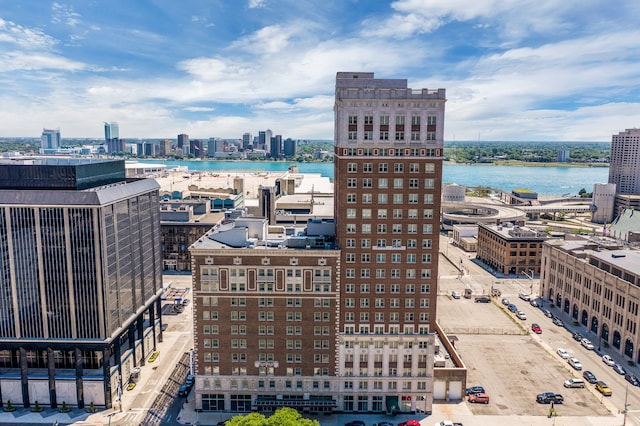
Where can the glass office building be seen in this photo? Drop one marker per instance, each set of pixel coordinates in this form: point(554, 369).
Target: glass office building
point(80, 280)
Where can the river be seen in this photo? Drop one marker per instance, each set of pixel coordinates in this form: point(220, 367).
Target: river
point(543, 180)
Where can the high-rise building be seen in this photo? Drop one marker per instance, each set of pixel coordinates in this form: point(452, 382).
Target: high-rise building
point(276, 146)
point(624, 167)
point(112, 138)
point(183, 140)
point(247, 141)
point(268, 134)
point(81, 282)
point(289, 148)
point(388, 179)
point(262, 140)
point(196, 148)
point(164, 147)
point(50, 141)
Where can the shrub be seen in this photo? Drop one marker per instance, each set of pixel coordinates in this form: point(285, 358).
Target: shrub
point(64, 408)
point(9, 408)
point(37, 408)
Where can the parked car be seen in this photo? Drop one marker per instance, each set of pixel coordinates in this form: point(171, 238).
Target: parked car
point(455, 294)
point(631, 378)
point(577, 337)
point(557, 321)
point(474, 389)
point(512, 308)
point(603, 388)
point(383, 424)
point(521, 315)
point(618, 369)
point(547, 313)
point(587, 344)
point(506, 302)
point(549, 397)
point(536, 328)
point(589, 376)
point(563, 353)
point(185, 302)
point(479, 398)
point(189, 381)
point(524, 296)
point(608, 360)
point(574, 383)
point(183, 390)
point(575, 363)
point(534, 303)
point(483, 299)
point(409, 423)
point(355, 423)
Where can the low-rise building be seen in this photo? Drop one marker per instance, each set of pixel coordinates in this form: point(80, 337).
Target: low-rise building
point(511, 249)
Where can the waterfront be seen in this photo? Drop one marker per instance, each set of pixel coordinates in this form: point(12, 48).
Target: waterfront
point(547, 181)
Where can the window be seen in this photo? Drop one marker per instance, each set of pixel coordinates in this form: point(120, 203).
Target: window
point(413, 198)
point(366, 213)
point(429, 183)
point(398, 168)
point(366, 228)
point(352, 168)
point(383, 167)
point(351, 242)
point(351, 198)
point(399, 136)
point(399, 120)
point(428, 198)
point(351, 228)
point(382, 198)
point(351, 213)
point(353, 119)
point(384, 120)
point(397, 183)
point(383, 183)
point(367, 183)
point(382, 213)
point(382, 228)
point(415, 136)
point(352, 183)
point(368, 119)
point(367, 167)
point(397, 198)
point(367, 198)
point(365, 243)
point(352, 136)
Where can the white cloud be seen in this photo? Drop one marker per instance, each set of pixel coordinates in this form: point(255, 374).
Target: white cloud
point(26, 38)
point(257, 4)
point(199, 109)
point(13, 61)
point(62, 13)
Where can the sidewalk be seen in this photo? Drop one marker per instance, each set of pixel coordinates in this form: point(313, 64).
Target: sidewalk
point(458, 412)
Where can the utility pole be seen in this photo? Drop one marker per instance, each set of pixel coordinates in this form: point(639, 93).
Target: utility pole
point(626, 406)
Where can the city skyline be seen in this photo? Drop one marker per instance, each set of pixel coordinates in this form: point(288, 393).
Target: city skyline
point(512, 72)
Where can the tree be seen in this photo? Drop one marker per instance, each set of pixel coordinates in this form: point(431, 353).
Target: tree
point(282, 417)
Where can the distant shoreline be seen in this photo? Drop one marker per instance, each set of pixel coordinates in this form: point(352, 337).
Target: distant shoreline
point(515, 163)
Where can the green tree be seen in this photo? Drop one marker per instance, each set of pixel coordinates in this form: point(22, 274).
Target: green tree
point(282, 417)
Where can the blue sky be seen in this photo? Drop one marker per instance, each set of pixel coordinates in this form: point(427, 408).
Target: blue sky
point(566, 70)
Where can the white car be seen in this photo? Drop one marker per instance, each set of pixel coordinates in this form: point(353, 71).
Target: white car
point(563, 353)
point(525, 297)
point(455, 294)
point(587, 344)
point(608, 360)
point(575, 363)
point(521, 315)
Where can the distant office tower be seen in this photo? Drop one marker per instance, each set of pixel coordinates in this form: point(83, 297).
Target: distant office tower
point(81, 282)
point(50, 140)
point(164, 147)
point(563, 155)
point(388, 179)
point(624, 167)
point(276, 146)
point(289, 148)
point(262, 140)
point(183, 140)
point(268, 134)
point(196, 148)
point(112, 138)
point(247, 141)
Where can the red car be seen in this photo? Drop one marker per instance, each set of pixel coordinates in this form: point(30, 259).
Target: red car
point(479, 398)
point(410, 423)
point(536, 328)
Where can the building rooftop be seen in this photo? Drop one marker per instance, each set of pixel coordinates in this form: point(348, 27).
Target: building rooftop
point(511, 231)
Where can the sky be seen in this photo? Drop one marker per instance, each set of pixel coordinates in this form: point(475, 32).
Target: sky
point(514, 70)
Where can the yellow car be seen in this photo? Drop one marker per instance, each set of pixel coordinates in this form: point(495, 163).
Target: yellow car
point(603, 388)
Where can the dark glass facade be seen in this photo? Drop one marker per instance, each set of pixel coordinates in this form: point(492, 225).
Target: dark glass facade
point(80, 285)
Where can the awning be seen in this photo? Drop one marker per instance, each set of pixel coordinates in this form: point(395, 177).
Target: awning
point(295, 403)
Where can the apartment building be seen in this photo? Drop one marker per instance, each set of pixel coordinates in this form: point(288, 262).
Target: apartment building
point(388, 179)
point(339, 316)
point(265, 303)
point(597, 282)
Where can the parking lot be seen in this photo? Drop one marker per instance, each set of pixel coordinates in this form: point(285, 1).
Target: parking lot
point(503, 355)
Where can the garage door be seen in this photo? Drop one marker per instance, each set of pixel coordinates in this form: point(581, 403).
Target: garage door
point(455, 391)
point(439, 390)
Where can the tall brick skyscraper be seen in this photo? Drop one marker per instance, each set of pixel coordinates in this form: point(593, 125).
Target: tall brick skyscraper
point(388, 178)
